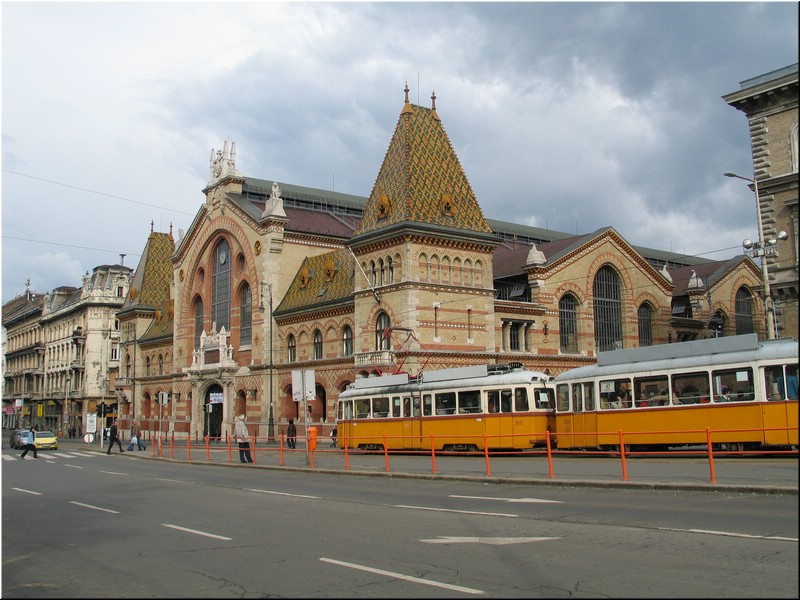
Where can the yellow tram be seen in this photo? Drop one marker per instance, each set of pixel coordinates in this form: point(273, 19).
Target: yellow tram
point(742, 390)
point(459, 409)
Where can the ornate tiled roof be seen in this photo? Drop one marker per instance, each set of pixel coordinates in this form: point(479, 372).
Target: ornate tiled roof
point(150, 285)
point(321, 280)
point(421, 180)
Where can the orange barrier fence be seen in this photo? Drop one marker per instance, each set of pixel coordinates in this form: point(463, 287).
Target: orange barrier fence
point(222, 450)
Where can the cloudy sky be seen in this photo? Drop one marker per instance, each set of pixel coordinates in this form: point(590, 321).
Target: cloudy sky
point(568, 116)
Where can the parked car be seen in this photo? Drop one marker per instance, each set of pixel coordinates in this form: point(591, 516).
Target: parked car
point(46, 440)
point(15, 441)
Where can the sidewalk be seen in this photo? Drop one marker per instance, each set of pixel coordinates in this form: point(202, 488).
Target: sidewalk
point(757, 473)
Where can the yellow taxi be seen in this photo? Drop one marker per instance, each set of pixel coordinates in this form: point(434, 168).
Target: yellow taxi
point(46, 440)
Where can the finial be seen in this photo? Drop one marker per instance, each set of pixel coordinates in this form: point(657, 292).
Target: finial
point(152, 226)
point(433, 100)
point(406, 92)
point(170, 228)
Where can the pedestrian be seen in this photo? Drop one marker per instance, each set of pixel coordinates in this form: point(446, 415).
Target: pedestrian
point(136, 438)
point(243, 438)
point(333, 436)
point(113, 436)
point(29, 443)
point(291, 434)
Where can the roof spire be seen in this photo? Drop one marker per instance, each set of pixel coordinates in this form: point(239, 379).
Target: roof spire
point(407, 108)
point(433, 106)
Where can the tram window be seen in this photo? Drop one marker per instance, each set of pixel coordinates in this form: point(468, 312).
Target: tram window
point(588, 396)
point(651, 391)
point(345, 410)
point(779, 387)
point(691, 388)
point(362, 408)
point(493, 401)
point(446, 403)
point(730, 383)
point(544, 398)
point(791, 382)
point(615, 393)
point(380, 407)
point(396, 406)
point(469, 401)
point(577, 397)
point(427, 405)
point(562, 394)
point(407, 406)
point(416, 407)
point(505, 401)
point(520, 400)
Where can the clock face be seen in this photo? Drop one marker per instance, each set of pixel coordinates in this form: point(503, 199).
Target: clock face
point(223, 256)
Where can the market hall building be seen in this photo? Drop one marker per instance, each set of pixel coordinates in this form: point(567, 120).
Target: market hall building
point(272, 278)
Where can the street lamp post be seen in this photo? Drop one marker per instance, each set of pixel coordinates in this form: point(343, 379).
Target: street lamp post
point(762, 249)
point(271, 420)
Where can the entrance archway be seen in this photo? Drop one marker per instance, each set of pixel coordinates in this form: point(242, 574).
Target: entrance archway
point(212, 423)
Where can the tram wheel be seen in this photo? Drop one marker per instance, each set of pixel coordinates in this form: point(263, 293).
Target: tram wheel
point(736, 447)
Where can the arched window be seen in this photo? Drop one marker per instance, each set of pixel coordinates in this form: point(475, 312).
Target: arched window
point(645, 325)
point(317, 344)
point(568, 323)
point(391, 270)
point(373, 273)
point(147, 366)
point(292, 346)
point(128, 366)
point(744, 311)
point(246, 316)
point(221, 286)
point(347, 340)
point(607, 310)
point(160, 364)
point(198, 322)
point(383, 336)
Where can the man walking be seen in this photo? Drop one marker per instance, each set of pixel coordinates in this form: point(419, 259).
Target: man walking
point(30, 443)
point(113, 436)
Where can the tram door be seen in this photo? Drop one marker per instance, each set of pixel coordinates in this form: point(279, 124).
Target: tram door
point(412, 426)
point(499, 420)
point(584, 415)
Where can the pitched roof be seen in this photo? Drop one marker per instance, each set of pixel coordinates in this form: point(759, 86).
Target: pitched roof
point(321, 280)
point(421, 180)
point(150, 284)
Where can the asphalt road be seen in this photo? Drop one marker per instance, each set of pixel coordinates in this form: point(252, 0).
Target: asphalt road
point(78, 523)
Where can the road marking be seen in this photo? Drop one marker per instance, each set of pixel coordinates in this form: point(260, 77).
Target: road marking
point(73, 466)
point(281, 494)
point(465, 512)
point(108, 510)
point(733, 534)
point(526, 500)
point(498, 541)
point(114, 473)
point(203, 533)
point(61, 454)
point(447, 586)
point(27, 491)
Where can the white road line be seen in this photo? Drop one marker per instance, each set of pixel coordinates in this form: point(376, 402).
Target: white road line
point(447, 586)
point(26, 491)
point(492, 541)
point(9, 457)
point(73, 466)
point(61, 454)
point(733, 534)
point(114, 473)
point(203, 533)
point(281, 494)
point(83, 454)
point(525, 500)
point(464, 512)
point(108, 510)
